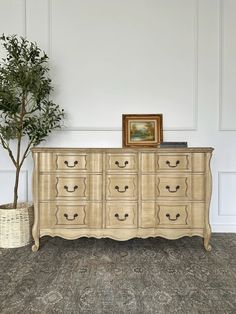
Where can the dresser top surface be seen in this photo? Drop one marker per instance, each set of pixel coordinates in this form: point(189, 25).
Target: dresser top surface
point(123, 150)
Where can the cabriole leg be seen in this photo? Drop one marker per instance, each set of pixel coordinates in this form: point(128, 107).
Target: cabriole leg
point(206, 241)
point(35, 246)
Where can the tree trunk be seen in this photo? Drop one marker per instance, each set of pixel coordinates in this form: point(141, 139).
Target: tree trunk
point(18, 166)
point(16, 187)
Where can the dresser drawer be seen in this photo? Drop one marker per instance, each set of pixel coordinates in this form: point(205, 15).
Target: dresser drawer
point(121, 215)
point(70, 162)
point(77, 215)
point(173, 187)
point(179, 186)
point(121, 187)
point(172, 162)
point(83, 187)
point(169, 187)
point(169, 215)
point(166, 215)
point(121, 162)
point(174, 215)
point(166, 162)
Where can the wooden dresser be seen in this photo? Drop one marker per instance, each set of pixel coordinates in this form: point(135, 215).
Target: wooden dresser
point(122, 193)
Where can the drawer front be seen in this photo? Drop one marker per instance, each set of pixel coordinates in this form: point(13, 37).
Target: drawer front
point(72, 187)
point(83, 187)
point(173, 187)
point(178, 216)
point(166, 215)
point(174, 162)
point(121, 215)
point(151, 162)
point(187, 187)
point(168, 187)
point(121, 187)
point(121, 162)
point(66, 216)
point(169, 215)
point(70, 162)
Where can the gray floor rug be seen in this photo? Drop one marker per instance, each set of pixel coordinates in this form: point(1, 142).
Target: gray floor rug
point(105, 276)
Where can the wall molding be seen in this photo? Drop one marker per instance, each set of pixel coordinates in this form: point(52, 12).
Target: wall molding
point(225, 228)
point(220, 174)
point(24, 5)
point(220, 64)
point(194, 127)
point(111, 129)
point(221, 68)
point(50, 28)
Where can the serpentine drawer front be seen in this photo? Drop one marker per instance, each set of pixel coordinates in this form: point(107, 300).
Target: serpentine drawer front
point(70, 162)
point(122, 193)
point(121, 187)
point(70, 215)
point(60, 186)
point(121, 215)
point(122, 162)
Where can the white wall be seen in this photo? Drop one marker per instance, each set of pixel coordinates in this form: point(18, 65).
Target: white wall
point(109, 57)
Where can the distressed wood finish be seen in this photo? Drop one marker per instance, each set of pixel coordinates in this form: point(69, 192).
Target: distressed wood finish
point(122, 193)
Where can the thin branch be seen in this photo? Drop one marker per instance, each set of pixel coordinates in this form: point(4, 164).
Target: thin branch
point(26, 152)
point(20, 124)
point(31, 111)
point(5, 146)
point(29, 100)
point(3, 142)
point(18, 152)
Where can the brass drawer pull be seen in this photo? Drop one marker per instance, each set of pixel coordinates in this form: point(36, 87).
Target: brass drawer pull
point(70, 191)
point(67, 217)
point(121, 219)
point(173, 166)
point(69, 166)
point(118, 164)
point(122, 191)
point(172, 191)
point(173, 219)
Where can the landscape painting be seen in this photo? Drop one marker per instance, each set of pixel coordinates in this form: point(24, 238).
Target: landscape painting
point(142, 130)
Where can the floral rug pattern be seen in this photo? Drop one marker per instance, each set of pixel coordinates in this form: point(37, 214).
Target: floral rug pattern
point(104, 276)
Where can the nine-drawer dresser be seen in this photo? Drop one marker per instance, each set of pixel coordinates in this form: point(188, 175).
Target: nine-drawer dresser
point(122, 193)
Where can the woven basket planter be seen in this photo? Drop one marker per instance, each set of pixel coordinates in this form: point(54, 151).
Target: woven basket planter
point(15, 225)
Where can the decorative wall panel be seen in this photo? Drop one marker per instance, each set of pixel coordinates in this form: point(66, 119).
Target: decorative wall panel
point(125, 57)
point(227, 188)
point(227, 118)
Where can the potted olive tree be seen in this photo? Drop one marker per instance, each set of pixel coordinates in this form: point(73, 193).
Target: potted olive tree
point(25, 112)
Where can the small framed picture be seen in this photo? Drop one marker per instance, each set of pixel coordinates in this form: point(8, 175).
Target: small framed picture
point(142, 130)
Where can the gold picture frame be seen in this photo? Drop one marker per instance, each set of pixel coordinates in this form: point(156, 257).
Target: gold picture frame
point(142, 130)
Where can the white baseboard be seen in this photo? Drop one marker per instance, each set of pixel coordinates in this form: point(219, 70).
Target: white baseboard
point(224, 228)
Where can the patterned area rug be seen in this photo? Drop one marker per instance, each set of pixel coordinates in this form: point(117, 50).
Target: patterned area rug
point(104, 276)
